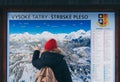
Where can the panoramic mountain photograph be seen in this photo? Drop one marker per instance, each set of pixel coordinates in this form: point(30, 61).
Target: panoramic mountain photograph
point(73, 38)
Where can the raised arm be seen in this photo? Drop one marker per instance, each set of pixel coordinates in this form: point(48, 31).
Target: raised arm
point(36, 61)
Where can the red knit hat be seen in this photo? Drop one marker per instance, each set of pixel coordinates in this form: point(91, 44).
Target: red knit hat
point(50, 44)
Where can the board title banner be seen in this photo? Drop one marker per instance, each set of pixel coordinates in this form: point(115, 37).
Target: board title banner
point(49, 16)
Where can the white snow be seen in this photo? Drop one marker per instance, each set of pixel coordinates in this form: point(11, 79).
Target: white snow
point(47, 35)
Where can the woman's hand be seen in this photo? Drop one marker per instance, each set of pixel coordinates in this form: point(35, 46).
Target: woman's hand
point(36, 48)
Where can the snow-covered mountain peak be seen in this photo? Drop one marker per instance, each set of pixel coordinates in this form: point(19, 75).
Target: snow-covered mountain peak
point(47, 35)
point(78, 34)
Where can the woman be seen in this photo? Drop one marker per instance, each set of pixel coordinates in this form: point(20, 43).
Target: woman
point(51, 57)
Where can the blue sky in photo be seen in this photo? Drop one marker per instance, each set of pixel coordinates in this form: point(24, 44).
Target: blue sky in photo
point(53, 26)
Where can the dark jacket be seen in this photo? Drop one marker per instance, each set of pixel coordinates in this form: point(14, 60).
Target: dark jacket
point(55, 61)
